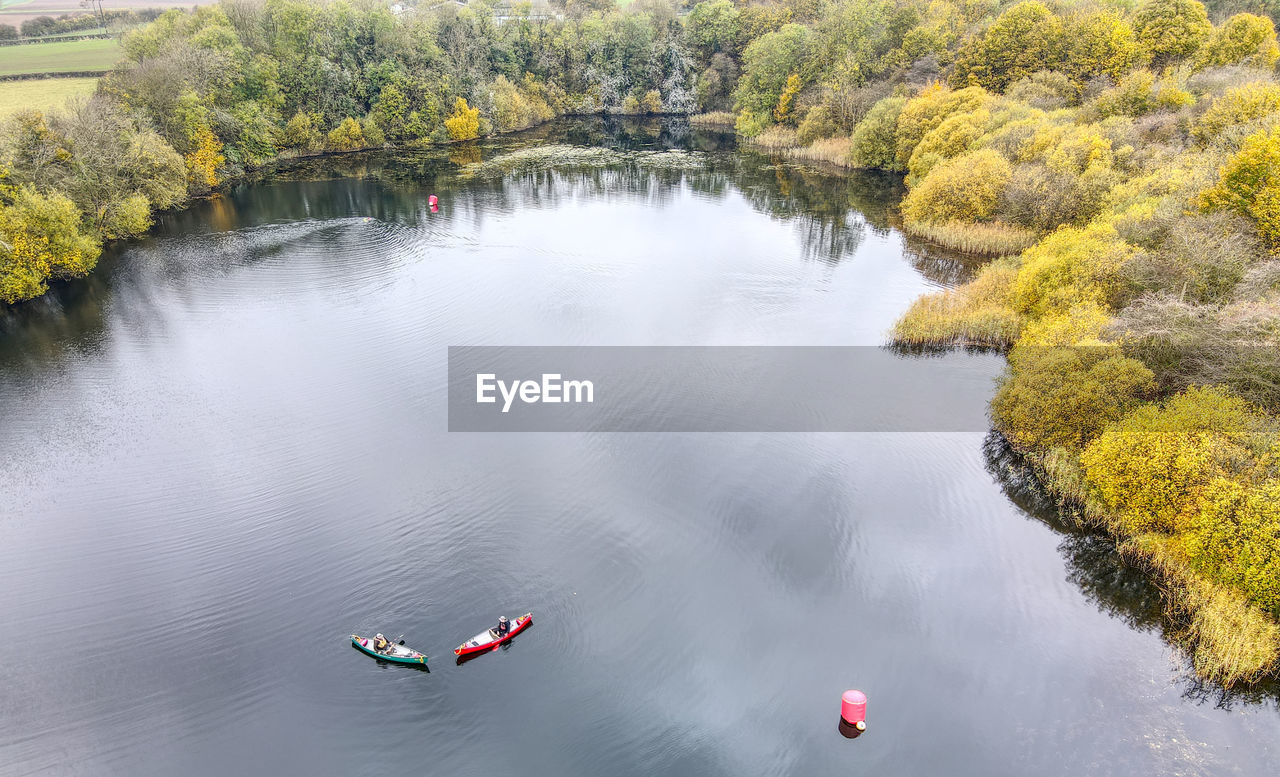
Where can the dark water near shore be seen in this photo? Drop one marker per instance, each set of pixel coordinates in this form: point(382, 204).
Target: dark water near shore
point(226, 451)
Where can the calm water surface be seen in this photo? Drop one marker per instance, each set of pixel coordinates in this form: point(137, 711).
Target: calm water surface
point(226, 451)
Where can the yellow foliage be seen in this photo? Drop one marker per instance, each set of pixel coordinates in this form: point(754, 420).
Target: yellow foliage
point(1081, 325)
point(1073, 266)
point(1240, 105)
point(951, 138)
point(347, 136)
point(40, 238)
point(1152, 468)
point(782, 111)
point(929, 109)
point(966, 188)
point(1245, 38)
point(205, 161)
point(1249, 183)
point(464, 122)
point(1235, 539)
point(1063, 397)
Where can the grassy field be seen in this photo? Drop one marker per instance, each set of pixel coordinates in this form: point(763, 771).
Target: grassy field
point(73, 56)
point(42, 93)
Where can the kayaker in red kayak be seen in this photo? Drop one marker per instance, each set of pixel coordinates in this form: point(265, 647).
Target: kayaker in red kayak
point(504, 626)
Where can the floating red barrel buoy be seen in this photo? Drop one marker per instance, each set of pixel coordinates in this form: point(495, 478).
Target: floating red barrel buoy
point(853, 709)
point(432, 201)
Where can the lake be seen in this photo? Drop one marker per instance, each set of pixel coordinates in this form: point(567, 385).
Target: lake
point(228, 449)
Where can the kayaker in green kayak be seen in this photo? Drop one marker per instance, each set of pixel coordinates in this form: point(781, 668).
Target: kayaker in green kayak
point(380, 643)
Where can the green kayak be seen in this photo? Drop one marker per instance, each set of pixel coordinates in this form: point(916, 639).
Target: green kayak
point(398, 654)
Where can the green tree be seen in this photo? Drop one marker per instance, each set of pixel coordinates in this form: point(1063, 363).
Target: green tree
point(714, 27)
point(768, 64)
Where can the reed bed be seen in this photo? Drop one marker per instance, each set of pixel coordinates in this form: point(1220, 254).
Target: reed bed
point(775, 140)
point(990, 239)
point(977, 313)
point(713, 119)
point(827, 151)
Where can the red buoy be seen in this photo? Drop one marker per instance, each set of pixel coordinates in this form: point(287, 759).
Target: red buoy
point(853, 709)
point(432, 201)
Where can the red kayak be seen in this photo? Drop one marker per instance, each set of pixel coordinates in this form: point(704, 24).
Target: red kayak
point(488, 640)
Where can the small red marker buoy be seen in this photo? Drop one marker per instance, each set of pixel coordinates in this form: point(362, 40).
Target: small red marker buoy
point(853, 709)
point(432, 201)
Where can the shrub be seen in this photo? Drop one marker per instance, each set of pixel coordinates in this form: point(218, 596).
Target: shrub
point(1064, 397)
point(514, 108)
point(1152, 467)
point(301, 132)
point(1070, 267)
point(1046, 89)
point(651, 102)
point(1139, 93)
point(1249, 184)
point(874, 143)
point(819, 122)
point(966, 188)
point(464, 122)
point(1043, 199)
point(954, 136)
point(1239, 105)
point(347, 136)
point(1235, 539)
point(929, 109)
point(1171, 29)
point(1245, 39)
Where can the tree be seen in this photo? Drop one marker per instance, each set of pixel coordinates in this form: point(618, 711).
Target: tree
point(1169, 30)
point(769, 62)
point(204, 161)
point(41, 238)
point(1100, 43)
point(713, 28)
point(1026, 38)
point(874, 143)
point(392, 112)
point(301, 133)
